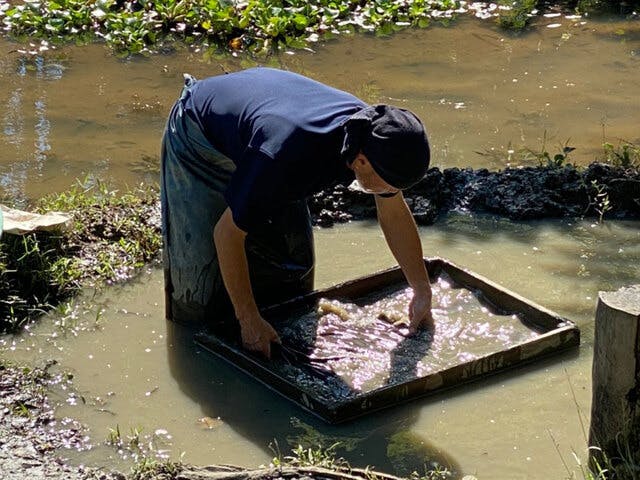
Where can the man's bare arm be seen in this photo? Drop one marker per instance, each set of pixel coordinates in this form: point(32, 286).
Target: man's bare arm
point(401, 234)
point(257, 333)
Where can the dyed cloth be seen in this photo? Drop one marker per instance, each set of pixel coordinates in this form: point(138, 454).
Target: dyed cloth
point(194, 179)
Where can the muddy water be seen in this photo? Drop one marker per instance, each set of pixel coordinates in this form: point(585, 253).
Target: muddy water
point(73, 112)
point(136, 372)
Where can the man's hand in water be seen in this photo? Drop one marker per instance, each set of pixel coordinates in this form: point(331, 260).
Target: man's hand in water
point(420, 315)
point(257, 335)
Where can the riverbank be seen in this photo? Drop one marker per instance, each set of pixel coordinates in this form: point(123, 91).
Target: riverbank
point(599, 191)
point(31, 438)
point(33, 441)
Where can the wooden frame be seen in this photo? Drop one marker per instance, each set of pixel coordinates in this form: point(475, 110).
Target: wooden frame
point(555, 334)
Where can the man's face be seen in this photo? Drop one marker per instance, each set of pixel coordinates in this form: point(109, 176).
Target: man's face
point(368, 180)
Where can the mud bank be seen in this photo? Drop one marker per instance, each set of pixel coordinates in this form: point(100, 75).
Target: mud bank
point(114, 235)
point(531, 193)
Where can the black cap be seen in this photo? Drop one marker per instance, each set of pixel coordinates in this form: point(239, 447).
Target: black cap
point(393, 140)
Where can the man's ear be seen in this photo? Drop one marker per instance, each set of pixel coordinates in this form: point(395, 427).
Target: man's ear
point(361, 159)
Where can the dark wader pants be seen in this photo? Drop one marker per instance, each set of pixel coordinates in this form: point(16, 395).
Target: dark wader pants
point(193, 180)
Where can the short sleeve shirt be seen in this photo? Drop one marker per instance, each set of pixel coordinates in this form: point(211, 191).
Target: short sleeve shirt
point(283, 131)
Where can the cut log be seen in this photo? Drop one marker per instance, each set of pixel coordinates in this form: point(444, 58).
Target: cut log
point(615, 412)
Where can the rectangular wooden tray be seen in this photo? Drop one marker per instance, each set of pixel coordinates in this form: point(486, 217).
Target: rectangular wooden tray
point(554, 334)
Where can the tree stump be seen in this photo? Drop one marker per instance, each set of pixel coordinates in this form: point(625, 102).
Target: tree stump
point(615, 409)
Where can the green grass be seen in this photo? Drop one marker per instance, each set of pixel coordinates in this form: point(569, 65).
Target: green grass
point(111, 236)
point(624, 154)
point(327, 458)
point(623, 465)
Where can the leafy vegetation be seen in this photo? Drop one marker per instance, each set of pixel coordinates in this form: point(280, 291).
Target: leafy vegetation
point(256, 25)
point(327, 458)
point(622, 7)
point(526, 155)
point(624, 155)
point(516, 15)
point(111, 236)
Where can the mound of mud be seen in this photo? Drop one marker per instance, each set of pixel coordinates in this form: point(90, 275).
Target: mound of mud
point(528, 193)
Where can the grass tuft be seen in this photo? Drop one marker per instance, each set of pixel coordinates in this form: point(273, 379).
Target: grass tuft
point(111, 236)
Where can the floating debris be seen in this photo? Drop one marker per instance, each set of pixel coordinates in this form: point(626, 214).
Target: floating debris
point(210, 423)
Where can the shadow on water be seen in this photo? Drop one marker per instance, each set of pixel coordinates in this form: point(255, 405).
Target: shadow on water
point(259, 415)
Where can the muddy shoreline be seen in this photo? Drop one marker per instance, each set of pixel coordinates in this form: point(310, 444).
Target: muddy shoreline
point(31, 438)
point(33, 442)
point(600, 191)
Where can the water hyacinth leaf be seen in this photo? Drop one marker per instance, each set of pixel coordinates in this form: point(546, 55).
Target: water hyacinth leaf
point(300, 21)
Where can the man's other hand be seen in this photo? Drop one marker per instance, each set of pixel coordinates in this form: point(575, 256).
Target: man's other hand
point(257, 335)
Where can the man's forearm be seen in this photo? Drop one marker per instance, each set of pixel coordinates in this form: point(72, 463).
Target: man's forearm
point(401, 234)
point(229, 241)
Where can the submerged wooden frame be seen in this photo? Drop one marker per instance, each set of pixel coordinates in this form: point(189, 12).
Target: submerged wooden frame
point(555, 334)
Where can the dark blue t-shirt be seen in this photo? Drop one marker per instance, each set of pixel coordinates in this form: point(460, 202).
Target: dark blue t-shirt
point(283, 131)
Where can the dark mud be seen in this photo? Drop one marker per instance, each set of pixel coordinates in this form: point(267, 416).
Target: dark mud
point(600, 190)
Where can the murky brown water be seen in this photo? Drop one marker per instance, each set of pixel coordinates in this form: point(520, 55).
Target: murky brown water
point(137, 372)
point(80, 111)
point(76, 111)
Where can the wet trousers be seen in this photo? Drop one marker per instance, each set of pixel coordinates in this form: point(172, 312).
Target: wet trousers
point(194, 176)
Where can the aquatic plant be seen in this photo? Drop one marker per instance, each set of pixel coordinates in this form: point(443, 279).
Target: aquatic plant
point(624, 155)
point(148, 468)
point(600, 200)
point(326, 458)
point(526, 155)
point(315, 457)
point(516, 14)
point(132, 443)
point(558, 160)
point(256, 25)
